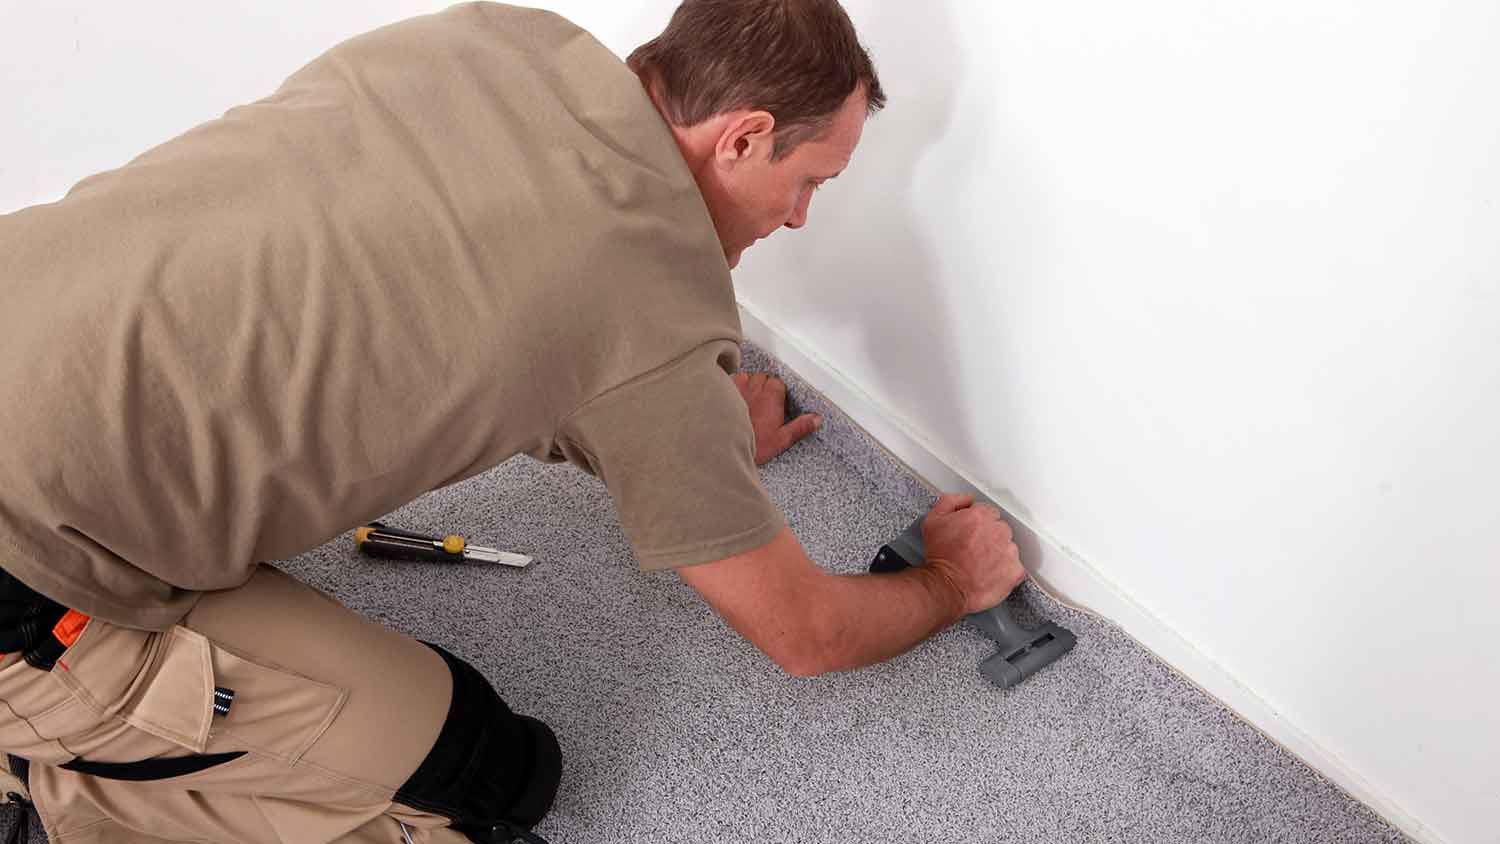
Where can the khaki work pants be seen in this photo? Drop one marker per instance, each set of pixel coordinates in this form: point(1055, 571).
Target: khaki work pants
point(331, 712)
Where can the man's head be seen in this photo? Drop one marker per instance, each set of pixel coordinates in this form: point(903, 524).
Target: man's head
point(767, 99)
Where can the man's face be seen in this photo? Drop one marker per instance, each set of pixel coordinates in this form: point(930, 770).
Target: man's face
point(759, 196)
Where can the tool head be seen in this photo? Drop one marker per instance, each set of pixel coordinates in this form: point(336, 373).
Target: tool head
point(1043, 646)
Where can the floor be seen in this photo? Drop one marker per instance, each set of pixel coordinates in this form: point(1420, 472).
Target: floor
point(674, 729)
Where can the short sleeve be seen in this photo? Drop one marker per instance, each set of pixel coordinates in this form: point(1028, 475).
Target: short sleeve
point(677, 452)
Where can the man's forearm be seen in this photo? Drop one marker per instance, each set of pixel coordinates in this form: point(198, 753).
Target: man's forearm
point(864, 619)
point(812, 622)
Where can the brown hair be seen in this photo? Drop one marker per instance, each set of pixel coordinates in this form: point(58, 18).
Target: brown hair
point(800, 60)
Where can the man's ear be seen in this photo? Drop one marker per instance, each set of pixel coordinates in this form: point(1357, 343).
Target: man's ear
point(748, 136)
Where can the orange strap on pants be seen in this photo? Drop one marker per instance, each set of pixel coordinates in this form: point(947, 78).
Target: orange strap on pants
point(70, 627)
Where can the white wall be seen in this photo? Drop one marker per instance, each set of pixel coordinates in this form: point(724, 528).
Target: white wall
point(1210, 293)
point(1207, 293)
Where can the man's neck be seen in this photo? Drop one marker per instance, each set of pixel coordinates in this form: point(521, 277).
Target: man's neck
point(696, 143)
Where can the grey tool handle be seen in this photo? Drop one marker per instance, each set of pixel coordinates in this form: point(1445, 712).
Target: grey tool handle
point(995, 622)
point(1023, 650)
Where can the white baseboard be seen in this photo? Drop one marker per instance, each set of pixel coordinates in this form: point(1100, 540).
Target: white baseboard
point(1068, 577)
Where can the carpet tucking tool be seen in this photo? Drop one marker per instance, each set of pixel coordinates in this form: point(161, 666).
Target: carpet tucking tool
point(1023, 650)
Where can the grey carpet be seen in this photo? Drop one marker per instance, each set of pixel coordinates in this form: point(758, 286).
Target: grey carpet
point(676, 730)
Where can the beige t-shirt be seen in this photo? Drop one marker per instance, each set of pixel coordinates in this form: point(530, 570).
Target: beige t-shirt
point(452, 240)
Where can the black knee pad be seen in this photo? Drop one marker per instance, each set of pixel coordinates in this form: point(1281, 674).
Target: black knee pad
point(489, 766)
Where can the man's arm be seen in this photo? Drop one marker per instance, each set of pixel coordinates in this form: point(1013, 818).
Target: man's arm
point(812, 622)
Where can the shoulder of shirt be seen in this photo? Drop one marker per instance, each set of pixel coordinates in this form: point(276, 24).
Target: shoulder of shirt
point(517, 24)
point(732, 347)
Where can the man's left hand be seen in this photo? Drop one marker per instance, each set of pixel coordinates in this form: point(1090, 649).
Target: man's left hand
point(766, 397)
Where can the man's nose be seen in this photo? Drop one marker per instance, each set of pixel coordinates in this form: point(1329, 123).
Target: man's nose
point(799, 214)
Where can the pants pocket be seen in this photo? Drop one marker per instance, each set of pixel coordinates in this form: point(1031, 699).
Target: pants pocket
point(176, 700)
point(204, 698)
point(125, 695)
point(269, 709)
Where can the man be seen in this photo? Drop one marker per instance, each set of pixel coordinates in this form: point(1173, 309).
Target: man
point(459, 238)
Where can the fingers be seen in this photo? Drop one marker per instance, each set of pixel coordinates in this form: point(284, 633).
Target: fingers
point(952, 502)
point(798, 428)
point(766, 395)
point(992, 514)
point(758, 381)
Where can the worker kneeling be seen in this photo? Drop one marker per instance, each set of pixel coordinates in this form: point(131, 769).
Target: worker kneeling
point(450, 241)
point(298, 717)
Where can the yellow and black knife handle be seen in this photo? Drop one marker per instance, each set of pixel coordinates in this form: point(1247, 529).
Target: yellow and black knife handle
point(378, 540)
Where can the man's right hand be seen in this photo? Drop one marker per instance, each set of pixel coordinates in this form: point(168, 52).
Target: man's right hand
point(974, 547)
point(811, 622)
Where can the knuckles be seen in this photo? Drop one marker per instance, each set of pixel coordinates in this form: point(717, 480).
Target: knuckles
point(755, 383)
